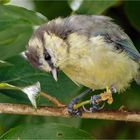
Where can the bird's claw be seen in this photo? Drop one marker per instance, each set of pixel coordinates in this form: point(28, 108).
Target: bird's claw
point(74, 112)
point(94, 101)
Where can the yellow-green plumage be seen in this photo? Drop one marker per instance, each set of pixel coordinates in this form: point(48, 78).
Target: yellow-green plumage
point(93, 63)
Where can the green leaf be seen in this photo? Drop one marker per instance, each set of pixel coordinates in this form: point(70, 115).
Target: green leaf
point(53, 9)
point(91, 7)
point(31, 91)
point(4, 1)
point(132, 10)
point(8, 86)
point(16, 27)
point(23, 74)
point(46, 131)
point(4, 64)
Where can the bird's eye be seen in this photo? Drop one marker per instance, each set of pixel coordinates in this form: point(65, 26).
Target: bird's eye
point(47, 56)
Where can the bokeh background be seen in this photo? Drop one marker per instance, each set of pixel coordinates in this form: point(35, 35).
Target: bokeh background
point(16, 26)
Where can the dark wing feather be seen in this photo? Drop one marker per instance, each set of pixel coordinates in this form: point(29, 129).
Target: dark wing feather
point(129, 47)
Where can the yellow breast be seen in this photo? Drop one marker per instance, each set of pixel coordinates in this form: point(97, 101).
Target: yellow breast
point(96, 65)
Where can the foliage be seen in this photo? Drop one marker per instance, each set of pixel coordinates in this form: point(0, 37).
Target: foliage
point(16, 26)
point(49, 130)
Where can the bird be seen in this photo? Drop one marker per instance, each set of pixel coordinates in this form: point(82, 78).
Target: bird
point(91, 50)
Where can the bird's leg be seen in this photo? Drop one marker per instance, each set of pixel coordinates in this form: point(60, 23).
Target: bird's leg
point(74, 101)
point(97, 99)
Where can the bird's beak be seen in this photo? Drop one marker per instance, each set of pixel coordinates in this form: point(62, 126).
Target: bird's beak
point(54, 74)
point(53, 71)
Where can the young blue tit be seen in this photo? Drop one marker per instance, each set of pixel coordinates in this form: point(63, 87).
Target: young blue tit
point(91, 50)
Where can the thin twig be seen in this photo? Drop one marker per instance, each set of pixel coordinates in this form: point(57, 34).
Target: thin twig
point(52, 99)
point(62, 112)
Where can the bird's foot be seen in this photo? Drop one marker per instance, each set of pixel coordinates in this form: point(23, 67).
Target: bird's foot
point(72, 110)
point(96, 100)
point(94, 104)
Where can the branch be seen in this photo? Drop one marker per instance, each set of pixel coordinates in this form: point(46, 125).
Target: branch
point(62, 112)
point(52, 99)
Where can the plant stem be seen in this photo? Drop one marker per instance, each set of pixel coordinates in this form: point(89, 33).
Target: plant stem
point(52, 99)
point(62, 112)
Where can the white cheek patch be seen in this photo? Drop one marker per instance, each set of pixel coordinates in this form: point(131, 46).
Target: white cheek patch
point(44, 65)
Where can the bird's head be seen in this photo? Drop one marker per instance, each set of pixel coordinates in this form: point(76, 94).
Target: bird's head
point(46, 51)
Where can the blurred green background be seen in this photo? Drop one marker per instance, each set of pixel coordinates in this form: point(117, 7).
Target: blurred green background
point(17, 20)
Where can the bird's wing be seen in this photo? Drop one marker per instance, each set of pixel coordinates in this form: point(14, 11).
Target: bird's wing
point(114, 34)
point(129, 47)
point(103, 26)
